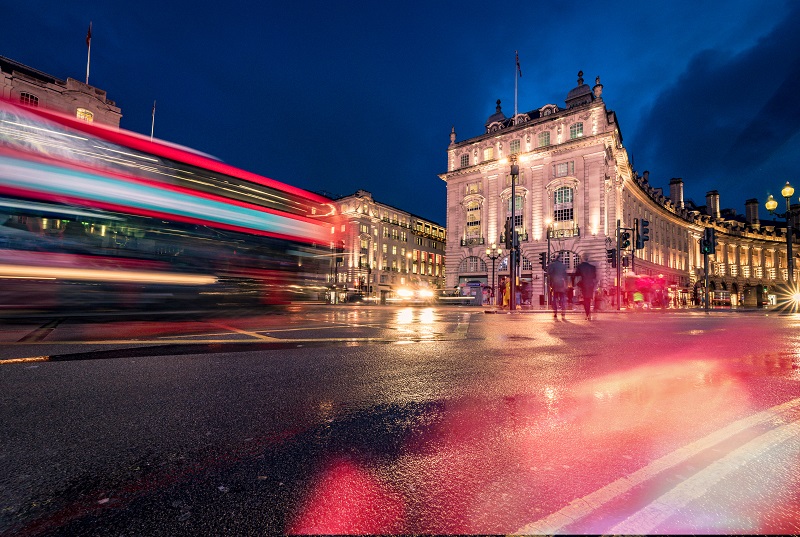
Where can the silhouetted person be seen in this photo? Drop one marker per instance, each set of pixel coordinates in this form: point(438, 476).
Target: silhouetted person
point(557, 276)
point(587, 281)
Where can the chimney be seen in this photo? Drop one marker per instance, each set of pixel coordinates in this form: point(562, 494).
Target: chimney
point(712, 204)
point(751, 212)
point(676, 192)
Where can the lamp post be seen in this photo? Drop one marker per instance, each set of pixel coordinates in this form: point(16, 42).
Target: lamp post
point(787, 192)
point(494, 253)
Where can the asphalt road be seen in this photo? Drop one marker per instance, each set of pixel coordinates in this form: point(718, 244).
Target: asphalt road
point(413, 420)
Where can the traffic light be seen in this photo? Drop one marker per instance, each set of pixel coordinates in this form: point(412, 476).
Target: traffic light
point(508, 235)
point(611, 257)
point(624, 239)
point(517, 255)
point(543, 259)
point(708, 244)
point(644, 234)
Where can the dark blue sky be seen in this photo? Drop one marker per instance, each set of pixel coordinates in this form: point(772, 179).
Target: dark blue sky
point(339, 95)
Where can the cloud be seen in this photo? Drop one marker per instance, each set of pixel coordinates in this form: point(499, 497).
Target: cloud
point(725, 122)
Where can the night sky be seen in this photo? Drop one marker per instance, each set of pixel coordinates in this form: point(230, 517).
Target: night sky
point(338, 96)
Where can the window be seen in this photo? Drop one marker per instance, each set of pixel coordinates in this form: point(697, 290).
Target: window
point(394, 250)
point(544, 139)
point(465, 160)
point(84, 115)
point(514, 147)
point(564, 169)
point(364, 228)
point(473, 188)
point(488, 153)
point(562, 204)
point(575, 130)
point(473, 219)
point(28, 99)
point(517, 212)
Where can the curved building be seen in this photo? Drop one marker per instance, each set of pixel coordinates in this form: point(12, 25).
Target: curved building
point(577, 196)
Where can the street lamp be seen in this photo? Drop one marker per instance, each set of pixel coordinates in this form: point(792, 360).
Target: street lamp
point(494, 253)
point(787, 192)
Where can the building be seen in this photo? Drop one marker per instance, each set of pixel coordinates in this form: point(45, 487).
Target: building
point(385, 252)
point(577, 193)
point(32, 87)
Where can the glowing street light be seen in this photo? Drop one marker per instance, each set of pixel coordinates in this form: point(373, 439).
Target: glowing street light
point(494, 253)
point(787, 192)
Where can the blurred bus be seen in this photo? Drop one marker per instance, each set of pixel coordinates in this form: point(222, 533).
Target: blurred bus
point(94, 218)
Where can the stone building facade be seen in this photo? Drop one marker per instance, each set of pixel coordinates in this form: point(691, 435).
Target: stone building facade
point(32, 87)
point(576, 192)
point(385, 251)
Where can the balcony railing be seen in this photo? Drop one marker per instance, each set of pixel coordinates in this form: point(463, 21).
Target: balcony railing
point(522, 236)
point(564, 233)
point(473, 241)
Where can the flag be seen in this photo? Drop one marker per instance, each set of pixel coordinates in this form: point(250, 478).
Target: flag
point(89, 36)
point(519, 69)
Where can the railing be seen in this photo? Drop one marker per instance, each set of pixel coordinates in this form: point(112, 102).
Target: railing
point(565, 233)
point(473, 241)
point(521, 236)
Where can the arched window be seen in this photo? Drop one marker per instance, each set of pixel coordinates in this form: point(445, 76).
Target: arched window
point(473, 227)
point(472, 264)
point(562, 204)
point(85, 115)
point(28, 99)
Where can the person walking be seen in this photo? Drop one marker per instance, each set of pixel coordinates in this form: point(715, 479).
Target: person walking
point(587, 281)
point(557, 276)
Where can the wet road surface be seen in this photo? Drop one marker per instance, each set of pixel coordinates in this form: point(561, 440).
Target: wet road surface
point(381, 420)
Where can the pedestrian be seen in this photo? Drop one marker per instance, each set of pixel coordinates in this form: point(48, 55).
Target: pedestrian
point(506, 294)
point(587, 281)
point(557, 276)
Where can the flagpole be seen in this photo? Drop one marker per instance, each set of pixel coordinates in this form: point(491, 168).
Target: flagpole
point(153, 122)
point(89, 52)
point(516, 81)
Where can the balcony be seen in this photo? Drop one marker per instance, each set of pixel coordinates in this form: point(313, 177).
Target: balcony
point(521, 235)
point(564, 233)
point(473, 241)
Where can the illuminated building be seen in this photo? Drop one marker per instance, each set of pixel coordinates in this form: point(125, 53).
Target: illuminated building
point(386, 249)
point(575, 184)
point(32, 87)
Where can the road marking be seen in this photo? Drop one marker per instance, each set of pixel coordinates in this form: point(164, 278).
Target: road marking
point(24, 360)
point(247, 332)
point(581, 507)
point(649, 517)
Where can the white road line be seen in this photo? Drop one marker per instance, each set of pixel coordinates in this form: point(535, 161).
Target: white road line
point(247, 332)
point(581, 507)
point(649, 517)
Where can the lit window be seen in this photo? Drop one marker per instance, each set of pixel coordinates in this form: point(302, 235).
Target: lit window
point(28, 99)
point(562, 204)
point(85, 115)
point(514, 147)
point(575, 130)
point(544, 139)
point(465, 160)
point(488, 153)
point(473, 219)
point(517, 212)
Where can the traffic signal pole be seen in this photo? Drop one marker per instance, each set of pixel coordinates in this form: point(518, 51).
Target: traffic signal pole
point(512, 300)
point(619, 266)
